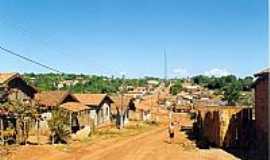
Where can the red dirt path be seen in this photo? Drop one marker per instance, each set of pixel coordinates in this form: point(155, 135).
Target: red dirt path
point(147, 146)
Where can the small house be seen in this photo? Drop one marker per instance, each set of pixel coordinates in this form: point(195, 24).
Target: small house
point(122, 108)
point(14, 88)
point(145, 107)
point(47, 101)
point(99, 105)
point(79, 115)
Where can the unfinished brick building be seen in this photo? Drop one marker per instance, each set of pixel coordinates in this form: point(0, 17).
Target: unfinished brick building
point(261, 106)
point(225, 127)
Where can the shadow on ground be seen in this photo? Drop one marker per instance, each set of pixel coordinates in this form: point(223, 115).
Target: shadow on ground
point(201, 143)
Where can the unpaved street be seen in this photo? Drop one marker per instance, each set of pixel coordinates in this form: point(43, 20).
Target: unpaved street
point(155, 147)
point(151, 145)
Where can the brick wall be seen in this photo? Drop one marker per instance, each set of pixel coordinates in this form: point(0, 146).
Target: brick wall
point(226, 126)
point(261, 112)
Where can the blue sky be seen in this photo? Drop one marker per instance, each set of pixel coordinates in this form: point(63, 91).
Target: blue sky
point(129, 36)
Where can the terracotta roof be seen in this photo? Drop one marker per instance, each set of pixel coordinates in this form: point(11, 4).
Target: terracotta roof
point(263, 72)
point(5, 77)
point(91, 99)
point(118, 102)
point(147, 104)
point(74, 106)
point(52, 98)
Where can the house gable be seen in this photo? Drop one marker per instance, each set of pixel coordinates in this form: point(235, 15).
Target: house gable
point(94, 100)
point(19, 84)
point(54, 98)
point(14, 87)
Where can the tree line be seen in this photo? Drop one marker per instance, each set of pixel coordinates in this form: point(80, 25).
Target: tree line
point(84, 83)
point(229, 86)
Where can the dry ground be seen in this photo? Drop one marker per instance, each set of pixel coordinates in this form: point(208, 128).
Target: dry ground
point(150, 145)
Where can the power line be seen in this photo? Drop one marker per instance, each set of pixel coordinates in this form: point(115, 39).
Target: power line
point(45, 43)
point(29, 60)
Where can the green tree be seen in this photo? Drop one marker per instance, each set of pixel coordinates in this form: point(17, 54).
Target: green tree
point(59, 125)
point(247, 83)
point(201, 80)
point(229, 78)
point(176, 87)
point(232, 92)
point(216, 83)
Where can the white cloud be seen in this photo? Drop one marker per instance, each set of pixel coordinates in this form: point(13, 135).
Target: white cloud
point(121, 74)
point(180, 72)
point(217, 72)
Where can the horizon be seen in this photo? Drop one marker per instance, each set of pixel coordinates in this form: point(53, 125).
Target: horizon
point(113, 38)
point(146, 76)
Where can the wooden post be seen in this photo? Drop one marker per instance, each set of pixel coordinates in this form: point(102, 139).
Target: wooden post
point(38, 127)
point(70, 121)
point(53, 138)
point(93, 126)
point(24, 128)
point(89, 120)
point(17, 130)
point(2, 130)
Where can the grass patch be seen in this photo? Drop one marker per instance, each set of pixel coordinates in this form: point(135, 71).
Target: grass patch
point(62, 147)
point(133, 128)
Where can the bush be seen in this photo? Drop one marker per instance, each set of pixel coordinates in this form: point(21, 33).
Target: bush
point(176, 88)
point(232, 93)
point(59, 126)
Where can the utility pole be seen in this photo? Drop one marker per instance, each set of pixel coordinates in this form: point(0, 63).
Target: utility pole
point(165, 66)
point(170, 113)
point(122, 92)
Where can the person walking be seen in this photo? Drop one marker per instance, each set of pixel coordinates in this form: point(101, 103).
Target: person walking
point(171, 132)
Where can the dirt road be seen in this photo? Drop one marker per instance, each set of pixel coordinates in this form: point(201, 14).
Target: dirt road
point(151, 145)
point(155, 147)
